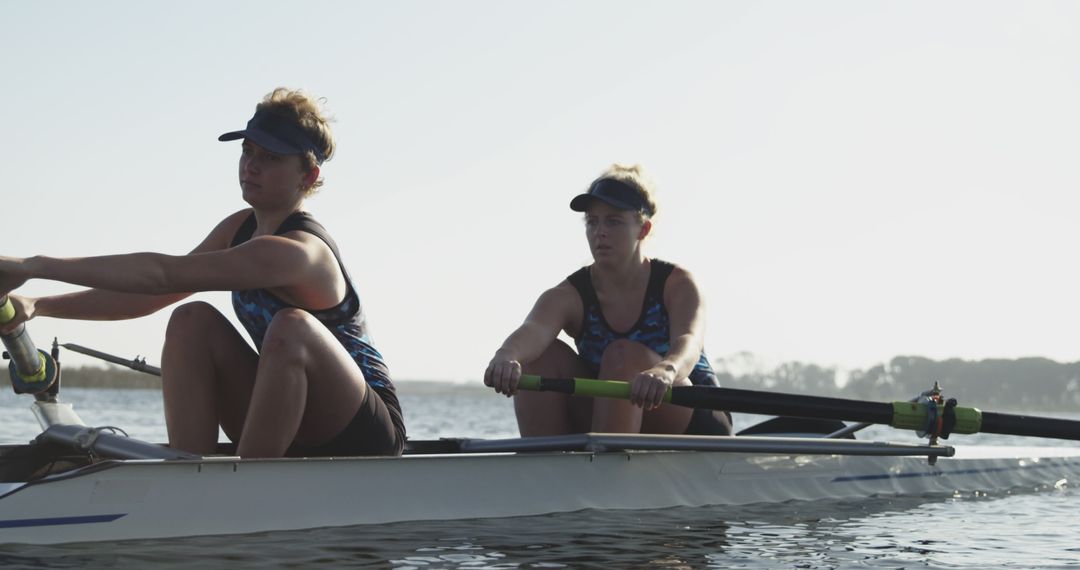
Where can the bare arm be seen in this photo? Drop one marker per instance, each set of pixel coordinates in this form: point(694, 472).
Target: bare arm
point(263, 262)
point(269, 261)
point(686, 312)
point(553, 312)
point(99, 305)
point(104, 304)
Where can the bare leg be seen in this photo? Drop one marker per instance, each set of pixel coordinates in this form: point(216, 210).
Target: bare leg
point(551, 413)
point(208, 372)
point(307, 388)
point(622, 360)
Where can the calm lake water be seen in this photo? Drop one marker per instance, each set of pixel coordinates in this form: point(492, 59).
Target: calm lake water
point(1027, 528)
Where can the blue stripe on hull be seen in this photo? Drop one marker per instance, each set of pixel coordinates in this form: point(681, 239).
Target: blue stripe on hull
point(56, 521)
point(848, 478)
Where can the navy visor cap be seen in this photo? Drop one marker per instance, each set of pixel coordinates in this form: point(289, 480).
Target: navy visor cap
point(276, 134)
point(615, 193)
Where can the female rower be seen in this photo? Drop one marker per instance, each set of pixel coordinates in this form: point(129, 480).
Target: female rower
point(315, 385)
point(632, 318)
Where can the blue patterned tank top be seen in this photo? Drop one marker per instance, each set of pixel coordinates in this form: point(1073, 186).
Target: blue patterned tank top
point(652, 329)
point(256, 307)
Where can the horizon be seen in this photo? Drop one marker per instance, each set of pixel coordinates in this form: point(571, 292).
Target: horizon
point(738, 365)
point(848, 181)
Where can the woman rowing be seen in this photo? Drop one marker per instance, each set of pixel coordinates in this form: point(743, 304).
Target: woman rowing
point(632, 318)
point(315, 384)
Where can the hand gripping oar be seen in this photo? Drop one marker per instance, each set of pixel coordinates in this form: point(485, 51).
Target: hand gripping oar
point(32, 371)
point(926, 417)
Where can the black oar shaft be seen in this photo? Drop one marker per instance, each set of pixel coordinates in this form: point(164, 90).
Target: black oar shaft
point(754, 402)
point(729, 399)
point(1033, 426)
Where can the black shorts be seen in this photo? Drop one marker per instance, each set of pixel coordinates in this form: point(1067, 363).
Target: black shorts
point(376, 429)
point(709, 422)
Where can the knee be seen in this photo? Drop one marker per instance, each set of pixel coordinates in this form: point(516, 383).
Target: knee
point(190, 319)
point(554, 361)
point(623, 357)
point(286, 334)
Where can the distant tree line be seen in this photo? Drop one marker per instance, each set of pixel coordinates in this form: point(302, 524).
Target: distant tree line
point(109, 376)
point(1027, 384)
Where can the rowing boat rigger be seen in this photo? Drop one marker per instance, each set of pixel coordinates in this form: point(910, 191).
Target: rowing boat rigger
point(79, 483)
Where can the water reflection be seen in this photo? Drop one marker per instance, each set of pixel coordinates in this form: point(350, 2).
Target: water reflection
point(963, 532)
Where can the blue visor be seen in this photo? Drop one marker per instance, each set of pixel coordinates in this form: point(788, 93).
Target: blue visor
point(276, 134)
point(614, 193)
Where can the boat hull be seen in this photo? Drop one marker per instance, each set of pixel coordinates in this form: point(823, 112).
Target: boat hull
point(143, 499)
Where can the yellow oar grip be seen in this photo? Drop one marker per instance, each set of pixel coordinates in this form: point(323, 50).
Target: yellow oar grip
point(7, 311)
point(7, 314)
point(40, 375)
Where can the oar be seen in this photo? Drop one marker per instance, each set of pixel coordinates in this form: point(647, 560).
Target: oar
point(920, 416)
point(32, 371)
point(138, 364)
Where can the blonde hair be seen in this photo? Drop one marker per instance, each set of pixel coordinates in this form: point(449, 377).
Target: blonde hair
point(304, 110)
point(635, 177)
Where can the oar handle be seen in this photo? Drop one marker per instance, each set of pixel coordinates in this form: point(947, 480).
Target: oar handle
point(32, 371)
point(580, 387)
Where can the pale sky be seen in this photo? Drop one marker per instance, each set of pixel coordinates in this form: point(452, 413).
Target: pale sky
point(848, 180)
